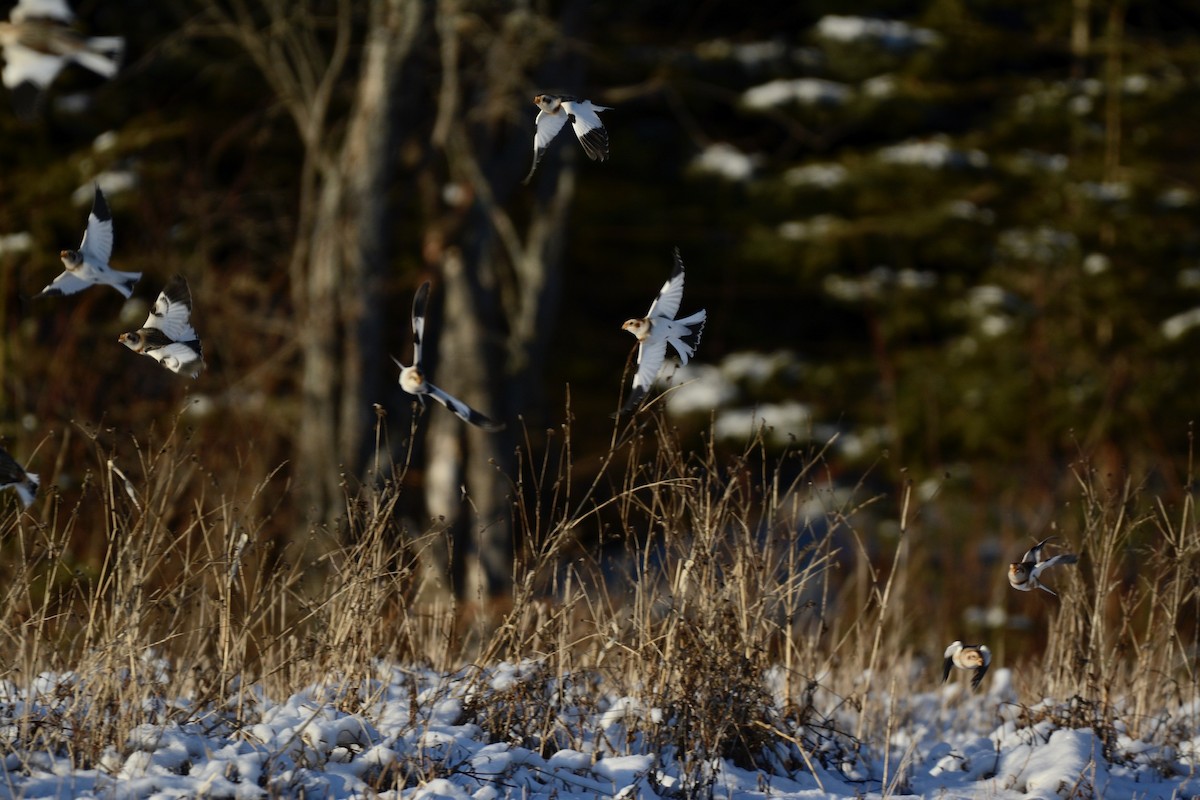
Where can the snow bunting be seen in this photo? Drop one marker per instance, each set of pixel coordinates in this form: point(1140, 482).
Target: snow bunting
point(88, 265)
point(412, 379)
point(1024, 574)
point(167, 336)
point(975, 657)
point(14, 475)
point(584, 118)
point(38, 43)
point(658, 329)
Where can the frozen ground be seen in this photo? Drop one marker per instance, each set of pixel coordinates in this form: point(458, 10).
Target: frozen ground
point(424, 735)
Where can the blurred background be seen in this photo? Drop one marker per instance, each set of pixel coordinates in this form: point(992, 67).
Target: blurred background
point(954, 239)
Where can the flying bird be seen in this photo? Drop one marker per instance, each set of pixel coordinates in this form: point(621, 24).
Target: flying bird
point(38, 43)
point(413, 381)
point(88, 266)
point(167, 336)
point(14, 475)
point(975, 657)
point(1025, 574)
point(658, 329)
point(584, 118)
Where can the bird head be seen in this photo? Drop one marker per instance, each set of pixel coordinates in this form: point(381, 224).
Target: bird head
point(547, 102)
point(70, 258)
point(412, 380)
point(640, 328)
point(133, 340)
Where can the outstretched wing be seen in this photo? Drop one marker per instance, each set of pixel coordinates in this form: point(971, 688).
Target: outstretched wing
point(42, 9)
point(180, 357)
point(464, 411)
point(420, 299)
point(588, 128)
point(671, 295)
point(979, 673)
point(650, 360)
point(547, 127)
point(172, 311)
point(1034, 554)
point(64, 284)
point(97, 242)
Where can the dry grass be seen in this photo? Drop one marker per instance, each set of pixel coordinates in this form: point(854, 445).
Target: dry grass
point(741, 607)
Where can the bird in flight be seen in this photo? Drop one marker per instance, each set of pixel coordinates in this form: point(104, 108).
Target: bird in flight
point(14, 475)
point(88, 266)
point(658, 329)
point(1025, 574)
point(975, 657)
point(167, 336)
point(38, 43)
point(554, 113)
point(413, 380)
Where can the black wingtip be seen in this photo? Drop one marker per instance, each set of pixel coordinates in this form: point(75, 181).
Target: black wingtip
point(420, 299)
point(100, 206)
point(595, 144)
point(176, 290)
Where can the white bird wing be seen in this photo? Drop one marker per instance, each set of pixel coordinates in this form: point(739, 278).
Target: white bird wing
point(24, 65)
point(44, 9)
point(462, 410)
point(177, 357)
point(65, 284)
point(588, 128)
point(97, 243)
point(671, 295)
point(420, 299)
point(650, 360)
point(546, 127)
point(172, 312)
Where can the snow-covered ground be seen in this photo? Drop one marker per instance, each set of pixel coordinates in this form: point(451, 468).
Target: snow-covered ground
point(416, 734)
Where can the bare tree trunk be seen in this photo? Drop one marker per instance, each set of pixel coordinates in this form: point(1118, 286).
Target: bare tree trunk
point(497, 345)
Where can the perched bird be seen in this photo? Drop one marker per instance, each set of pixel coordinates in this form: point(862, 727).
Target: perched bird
point(38, 43)
point(967, 656)
point(167, 336)
point(88, 265)
point(412, 379)
point(658, 329)
point(1024, 574)
point(584, 118)
point(14, 475)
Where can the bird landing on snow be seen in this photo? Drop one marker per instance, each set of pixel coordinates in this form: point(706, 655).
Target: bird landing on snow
point(1025, 574)
point(975, 657)
point(38, 43)
point(554, 113)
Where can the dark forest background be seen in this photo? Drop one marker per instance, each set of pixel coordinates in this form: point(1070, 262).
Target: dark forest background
point(970, 225)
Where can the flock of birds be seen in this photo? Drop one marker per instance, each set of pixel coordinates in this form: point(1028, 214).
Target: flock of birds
point(1024, 575)
point(38, 43)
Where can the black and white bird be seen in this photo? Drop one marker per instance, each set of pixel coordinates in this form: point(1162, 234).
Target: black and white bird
point(1026, 573)
point(38, 43)
point(167, 336)
point(88, 266)
point(976, 657)
point(658, 329)
point(413, 381)
point(555, 112)
point(14, 475)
